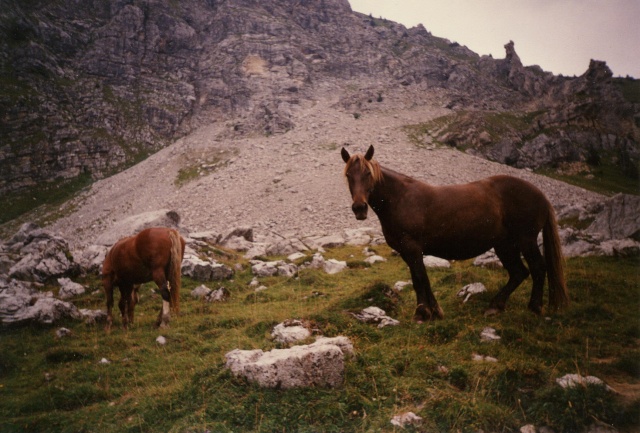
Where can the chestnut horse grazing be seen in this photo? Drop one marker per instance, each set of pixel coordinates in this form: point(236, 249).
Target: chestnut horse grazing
point(459, 222)
point(154, 254)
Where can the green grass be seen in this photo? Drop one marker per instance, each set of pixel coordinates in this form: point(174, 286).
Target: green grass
point(605, 179)
point(47, 384)
point(630, 88)
point(48, 195)
point(206, 164)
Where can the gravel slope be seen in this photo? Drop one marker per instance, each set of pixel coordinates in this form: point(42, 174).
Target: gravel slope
point(289, 184)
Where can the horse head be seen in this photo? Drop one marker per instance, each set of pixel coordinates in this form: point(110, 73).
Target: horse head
point(362, 174)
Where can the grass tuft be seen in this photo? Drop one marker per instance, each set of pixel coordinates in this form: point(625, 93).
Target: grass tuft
point(58, 385)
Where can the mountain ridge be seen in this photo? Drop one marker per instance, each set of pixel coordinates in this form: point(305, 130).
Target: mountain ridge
point(94, 87)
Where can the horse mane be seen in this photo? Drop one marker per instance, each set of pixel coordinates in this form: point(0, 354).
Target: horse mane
point(371, 166)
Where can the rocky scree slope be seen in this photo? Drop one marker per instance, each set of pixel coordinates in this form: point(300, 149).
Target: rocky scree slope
point(283, 185)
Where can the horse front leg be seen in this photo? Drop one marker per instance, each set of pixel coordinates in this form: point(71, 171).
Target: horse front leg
point(428, 308)
point(125, 304)
point(165, 291)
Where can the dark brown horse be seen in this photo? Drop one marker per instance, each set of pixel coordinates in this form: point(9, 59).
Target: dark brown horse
point(154, 254)
point(459, 222)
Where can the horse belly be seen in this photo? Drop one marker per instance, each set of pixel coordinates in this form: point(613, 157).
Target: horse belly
point(458, 252)
point(463, 245)
point(133, 272)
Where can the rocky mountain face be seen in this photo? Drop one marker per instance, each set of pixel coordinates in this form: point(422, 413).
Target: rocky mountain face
point(565, 120)
point(89, 87)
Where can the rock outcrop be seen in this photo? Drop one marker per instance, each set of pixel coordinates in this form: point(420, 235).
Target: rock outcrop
point(92, 87)
point(318, 364)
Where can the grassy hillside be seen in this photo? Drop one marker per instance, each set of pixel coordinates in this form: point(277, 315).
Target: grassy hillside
point(49, 384)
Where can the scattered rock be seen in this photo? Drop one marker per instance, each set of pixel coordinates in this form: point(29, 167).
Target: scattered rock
point(618, 219)
point(245, 232)
point(237, 243)
point(482, 358)
point(333, 266)
point(318, 364)
point(209, 237)
point(91, 317)
point(43, 255)
point(296, 256)
point(63, 332)
point(209, 295)
point(489, 334)
point(284, 247)
point(359, 236)
point(257, 249)
point(69, 289)
point(470, 290)
point(374, 259)
point(219, 295)
point(269, 269)
point(488, 259)
point(375, 315)
point(290, 331)
point(331, 241)
point(435, 262)
point(131, 225)
point(571, 380)
point(20, 304)
point(400, 285)
point(205, 270)
point(200, 292)
point(91, 258)
point(405, 419)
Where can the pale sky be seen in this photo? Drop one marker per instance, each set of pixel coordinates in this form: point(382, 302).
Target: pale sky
point(561, 36)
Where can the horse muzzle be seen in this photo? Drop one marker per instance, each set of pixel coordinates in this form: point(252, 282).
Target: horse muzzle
point(360, 210)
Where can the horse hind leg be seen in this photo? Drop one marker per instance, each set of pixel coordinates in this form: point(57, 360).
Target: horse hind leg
point(164, 316)
point(133, 300)
point(538, 269)
point(509, 255)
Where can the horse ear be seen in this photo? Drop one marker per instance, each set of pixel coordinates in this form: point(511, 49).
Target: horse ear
point(369, 153)
point(345, 155)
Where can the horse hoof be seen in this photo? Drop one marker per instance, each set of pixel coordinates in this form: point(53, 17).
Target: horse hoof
point(425, 314)
point(537, 310)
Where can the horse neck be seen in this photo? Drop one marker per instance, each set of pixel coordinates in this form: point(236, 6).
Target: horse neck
point(386, 189)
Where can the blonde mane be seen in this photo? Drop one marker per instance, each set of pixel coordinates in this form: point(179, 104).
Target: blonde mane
point(371, 166)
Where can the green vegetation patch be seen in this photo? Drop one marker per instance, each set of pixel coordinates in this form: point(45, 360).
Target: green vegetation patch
point(193, 168)
point(49, 195)
point(630, 89)
point(51, 384)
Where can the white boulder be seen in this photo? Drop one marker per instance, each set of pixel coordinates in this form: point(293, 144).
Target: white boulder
point(318, 364)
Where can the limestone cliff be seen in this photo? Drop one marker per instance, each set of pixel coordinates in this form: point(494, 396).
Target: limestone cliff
point(90, 87)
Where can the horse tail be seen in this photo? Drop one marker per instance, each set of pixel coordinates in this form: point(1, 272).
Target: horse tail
point(175, 268)
point(558, 293)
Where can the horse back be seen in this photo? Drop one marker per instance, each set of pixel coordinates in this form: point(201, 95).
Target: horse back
point(462, 221)
point(153, 247)
point(524, 206)
point(133, 259)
